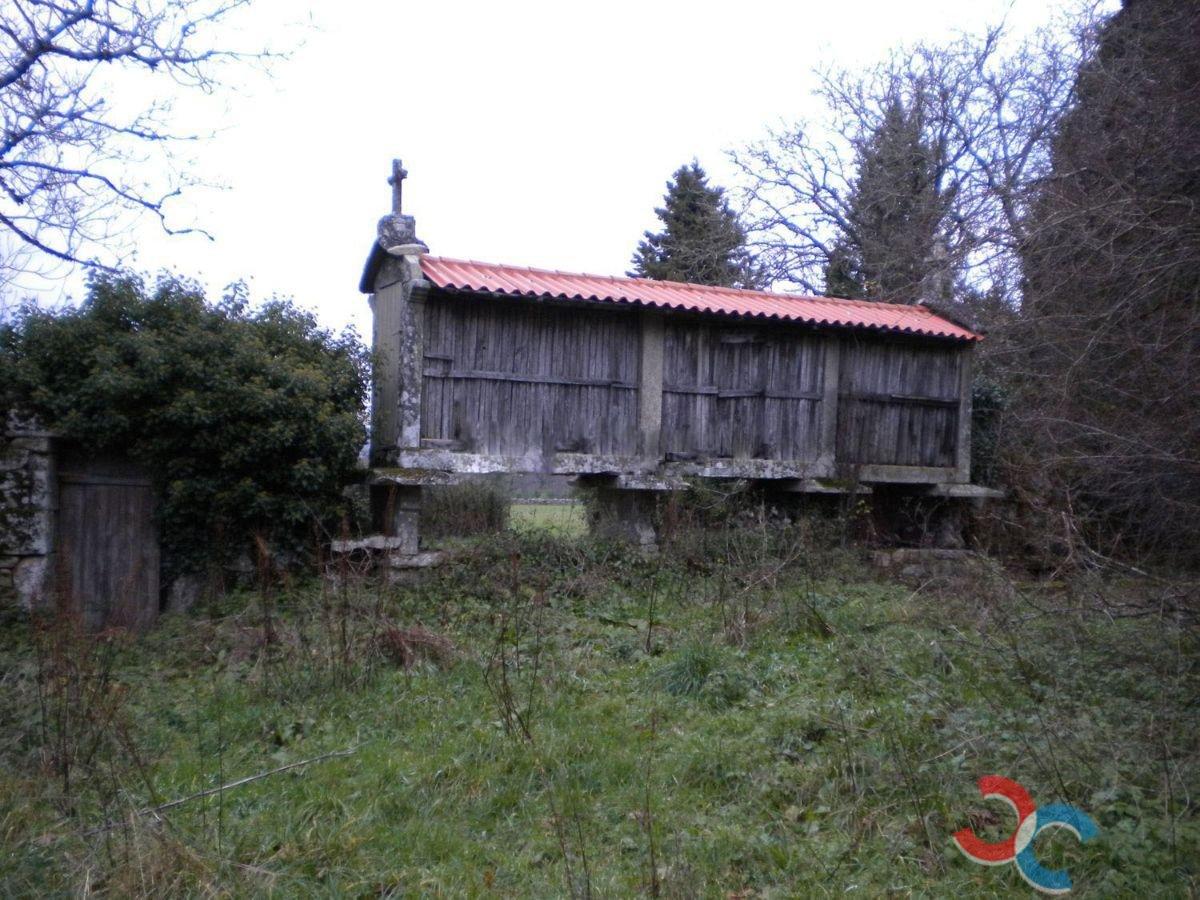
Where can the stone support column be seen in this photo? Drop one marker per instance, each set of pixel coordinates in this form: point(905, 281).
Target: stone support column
point(626, 515)
point(650, 386)
point(831, 378)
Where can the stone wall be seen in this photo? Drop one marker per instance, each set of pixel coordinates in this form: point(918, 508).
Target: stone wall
point(27, 507)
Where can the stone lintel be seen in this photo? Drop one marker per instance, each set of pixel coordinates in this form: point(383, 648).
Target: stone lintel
point(633, 482)
point(554, 464)
point(818, 486)
point(423, 560)
point(907, 474)
point(756, 469)
point(967, 491)
point(414, 477)
point(377, 542)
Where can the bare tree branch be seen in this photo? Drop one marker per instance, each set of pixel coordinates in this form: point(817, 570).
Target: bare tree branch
point(73, 170)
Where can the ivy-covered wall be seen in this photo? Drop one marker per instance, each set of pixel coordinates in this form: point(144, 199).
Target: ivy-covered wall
point(27, 500)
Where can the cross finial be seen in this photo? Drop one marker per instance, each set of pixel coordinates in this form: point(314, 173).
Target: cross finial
point(399, 173)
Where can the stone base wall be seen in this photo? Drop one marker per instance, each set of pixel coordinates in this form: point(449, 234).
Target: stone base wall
point(27, 510)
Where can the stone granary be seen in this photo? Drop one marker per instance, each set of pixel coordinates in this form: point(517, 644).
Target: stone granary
point(635, 385)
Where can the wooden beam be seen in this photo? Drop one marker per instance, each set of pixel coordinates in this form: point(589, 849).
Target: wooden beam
point(479, 375)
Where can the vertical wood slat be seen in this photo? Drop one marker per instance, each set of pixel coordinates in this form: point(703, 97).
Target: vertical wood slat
point(884, 420)
point(108, 550)
point(757, 366)
point(531, 342)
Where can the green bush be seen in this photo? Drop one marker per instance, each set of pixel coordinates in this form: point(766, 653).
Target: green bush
point(249, 420)
point(989, 400)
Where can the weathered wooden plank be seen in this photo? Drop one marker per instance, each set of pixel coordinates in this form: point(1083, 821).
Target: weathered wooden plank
point(508, 378)
point(108, 545)
point(461, 375)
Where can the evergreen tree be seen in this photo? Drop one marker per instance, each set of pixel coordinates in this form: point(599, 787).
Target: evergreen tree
point(702, 241)
point(890, 248)
point(1111, 306)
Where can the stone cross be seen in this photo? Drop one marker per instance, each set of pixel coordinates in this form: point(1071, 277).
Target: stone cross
point(399, 173)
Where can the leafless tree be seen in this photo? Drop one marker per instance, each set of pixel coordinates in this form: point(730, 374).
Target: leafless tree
point(77, 163)
point(988, 105)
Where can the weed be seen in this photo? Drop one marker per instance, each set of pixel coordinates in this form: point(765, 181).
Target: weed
point(473, 507)
point(801, 759)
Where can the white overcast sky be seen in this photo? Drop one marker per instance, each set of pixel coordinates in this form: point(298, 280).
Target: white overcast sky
point(534, 133)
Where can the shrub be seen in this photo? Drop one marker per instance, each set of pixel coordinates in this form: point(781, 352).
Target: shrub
point(988, 403)
point(249, 420)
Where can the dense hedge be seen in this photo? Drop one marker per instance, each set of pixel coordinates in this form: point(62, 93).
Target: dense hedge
point(250, 419)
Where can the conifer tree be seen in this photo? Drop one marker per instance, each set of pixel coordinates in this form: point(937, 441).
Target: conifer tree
point(702, 241)
point(889, 248)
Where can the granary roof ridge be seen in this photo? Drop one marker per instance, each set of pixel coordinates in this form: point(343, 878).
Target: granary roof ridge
point(468, 274)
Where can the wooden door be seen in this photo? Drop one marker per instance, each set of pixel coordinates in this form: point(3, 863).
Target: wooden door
point(108, 552)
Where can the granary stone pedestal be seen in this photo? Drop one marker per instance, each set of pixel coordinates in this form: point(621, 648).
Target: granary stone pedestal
point(396, 510)
point(626, 515)
point(378, 555)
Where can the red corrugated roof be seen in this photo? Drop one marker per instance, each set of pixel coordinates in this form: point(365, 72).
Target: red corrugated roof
point(467, 275)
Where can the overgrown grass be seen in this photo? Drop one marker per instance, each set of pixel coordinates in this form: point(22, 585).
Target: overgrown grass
point(470, 508)
point(564, 520)
point(733, 718)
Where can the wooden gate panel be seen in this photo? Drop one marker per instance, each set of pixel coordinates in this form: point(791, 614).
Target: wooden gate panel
point(108, 544)
point(900, 403)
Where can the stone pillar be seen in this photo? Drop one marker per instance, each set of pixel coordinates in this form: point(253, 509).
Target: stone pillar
point(28, 507)
point(399, 313)
point(962, 474)
point(396, 509)
point(948, 525)
point(650, 385)
point(399, 351)
point(626, 515)
point(831, 379)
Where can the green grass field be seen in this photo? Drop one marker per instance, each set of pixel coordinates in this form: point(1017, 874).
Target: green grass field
point(739, 717)
point(563, 520)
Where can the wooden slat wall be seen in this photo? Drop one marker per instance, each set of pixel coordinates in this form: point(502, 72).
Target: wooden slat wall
point(689, 407)
point(742, 392)
point(899, 402)
point(519, 378)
